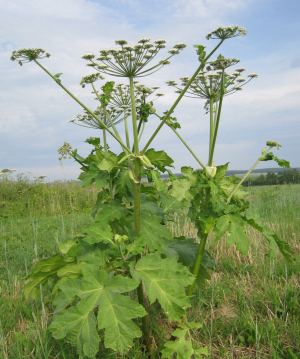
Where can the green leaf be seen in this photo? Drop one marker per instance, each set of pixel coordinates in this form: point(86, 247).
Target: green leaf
point(282, 163)
point(188, 172)
point(95, 141)
point(94, 174)
point(153, 233)
point(273, 239)
point(96, 253)
point(159, 184)
point(221, 172)
point(181, 188)
point(98, 232)
point(187, 250)
point(267, 157)
point(170, 204)
point(101, 179)
point(57, 75)
point(42, 271)
point(182, 347)
point(165, 280)
point(106, 162)
point(199, 49)
point(233, 223)
point(159, 159)
point(77, 325)
point(108, 87)
point(110, 212)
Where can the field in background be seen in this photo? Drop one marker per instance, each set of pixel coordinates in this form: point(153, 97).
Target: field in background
point(250, 308)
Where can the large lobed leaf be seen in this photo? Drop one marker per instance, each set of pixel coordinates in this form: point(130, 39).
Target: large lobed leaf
point(78, 324)
point(165, 280)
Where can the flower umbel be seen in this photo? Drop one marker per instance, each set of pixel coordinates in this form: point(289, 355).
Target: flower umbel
point(227, 32)
point(131, 61)
point(27, 55)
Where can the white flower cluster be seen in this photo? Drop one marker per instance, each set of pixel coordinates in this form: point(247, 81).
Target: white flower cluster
point(227, 32)
point(208, 83)
point(27, 55)
point(131, 61)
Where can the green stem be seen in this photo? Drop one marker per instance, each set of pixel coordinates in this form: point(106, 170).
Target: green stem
point(141, 134)
point(211, 156)
point(179, 98)
point(137, 211)
point(126, 131)
point(187, 146)
point(104, 141)
point(212, 127)
point(133, 115)
point(82, 105)
point(200, 249)
point(243, 179)
point(137, 229)
point(197, 264)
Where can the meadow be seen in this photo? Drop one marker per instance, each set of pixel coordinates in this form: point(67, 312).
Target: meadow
point(250, 308)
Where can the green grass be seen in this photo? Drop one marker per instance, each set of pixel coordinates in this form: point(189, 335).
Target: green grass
point(250, 308)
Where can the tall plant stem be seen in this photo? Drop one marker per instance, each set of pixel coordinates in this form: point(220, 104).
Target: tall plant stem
point(82, 105)
point(200, 249)
point(243, 179)
point(126, 131)
point(212, 127)
point(180, 97)
point(197, 264)
point(134, 122)
point(188, 147)
point(216, 127)
point(137, 211)
point(104, 141)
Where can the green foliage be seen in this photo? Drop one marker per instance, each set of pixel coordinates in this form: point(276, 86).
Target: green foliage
point(78, 324)
point(164, 280)
point(184, 348)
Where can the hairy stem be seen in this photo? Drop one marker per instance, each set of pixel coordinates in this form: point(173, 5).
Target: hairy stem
point(104, 141)
point(216, 127)
point(134, 122)
point(197, 264)
point(246, 175)
point(180, 97)
point(126, 131)
point(200, 249)
point(212, 127)
point(137, 211)
point(82, 105)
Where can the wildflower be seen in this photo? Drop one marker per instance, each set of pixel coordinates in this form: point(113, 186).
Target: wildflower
point(252, 75)
point(171, 83)
point(227, 32)
point(180, 46)
point(90, 79)
point(160, 41)
point(27, 55)
point(241, 69)
point(64, 150)
point(121, 42)
point(130, 61)
point(143, 40)
point(88, 56)
point(240, 79)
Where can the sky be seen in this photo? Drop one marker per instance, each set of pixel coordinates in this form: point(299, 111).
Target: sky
point(34, 111)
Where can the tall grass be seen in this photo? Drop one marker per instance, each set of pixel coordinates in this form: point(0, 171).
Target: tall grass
point(250, 308)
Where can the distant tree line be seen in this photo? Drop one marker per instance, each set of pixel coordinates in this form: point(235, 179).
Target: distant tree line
point(285, 177)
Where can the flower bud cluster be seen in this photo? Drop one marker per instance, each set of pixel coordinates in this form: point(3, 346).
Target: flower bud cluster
point(91, 79)
point(208, 83)
point(130, 61)
point(227, 32)
point(64, 151)
point(27, 55)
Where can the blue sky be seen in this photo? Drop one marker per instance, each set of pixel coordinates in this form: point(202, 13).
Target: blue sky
point(34, 111)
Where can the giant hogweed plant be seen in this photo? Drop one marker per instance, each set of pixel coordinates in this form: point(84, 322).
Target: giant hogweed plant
point(104, 280)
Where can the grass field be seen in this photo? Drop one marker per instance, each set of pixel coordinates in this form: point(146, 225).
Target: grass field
point(250, 308)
